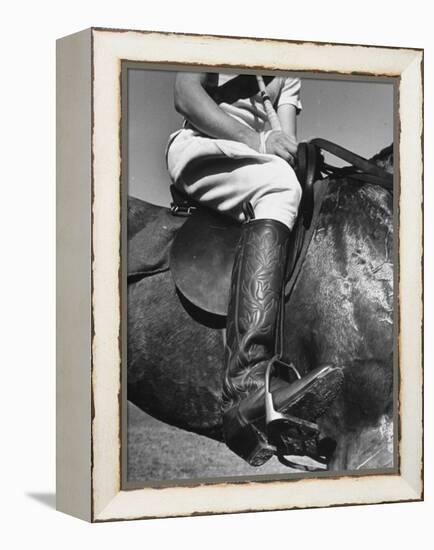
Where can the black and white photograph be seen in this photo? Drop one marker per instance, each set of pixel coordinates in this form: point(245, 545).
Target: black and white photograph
point(259, 275)
point(216, 275)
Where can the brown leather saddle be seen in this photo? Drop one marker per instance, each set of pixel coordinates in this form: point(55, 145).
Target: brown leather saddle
point(202, 254)
point(203, 251)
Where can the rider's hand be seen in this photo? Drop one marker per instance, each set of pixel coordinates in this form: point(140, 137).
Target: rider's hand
point(280, 144)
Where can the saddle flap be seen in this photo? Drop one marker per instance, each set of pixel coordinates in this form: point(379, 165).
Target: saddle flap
point(201, 260)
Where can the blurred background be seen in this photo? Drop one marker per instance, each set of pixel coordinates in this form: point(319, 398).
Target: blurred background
point(356, 115)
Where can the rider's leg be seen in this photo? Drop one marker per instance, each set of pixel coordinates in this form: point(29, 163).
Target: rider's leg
point(255, 301)
point(252, 329)
point(225, 184)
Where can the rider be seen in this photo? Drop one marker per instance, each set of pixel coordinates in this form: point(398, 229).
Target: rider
point(227, 158)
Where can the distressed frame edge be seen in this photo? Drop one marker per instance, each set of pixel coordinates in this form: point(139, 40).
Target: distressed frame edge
point(300, 41)
point(412, 491)
point(73, 275)
point(114, 509)
point(411, 254)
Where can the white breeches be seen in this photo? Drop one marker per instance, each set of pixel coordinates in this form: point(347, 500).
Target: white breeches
point(224, 184)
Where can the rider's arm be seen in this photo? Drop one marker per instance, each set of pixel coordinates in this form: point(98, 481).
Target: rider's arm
point(193, 102)
point(287, 115)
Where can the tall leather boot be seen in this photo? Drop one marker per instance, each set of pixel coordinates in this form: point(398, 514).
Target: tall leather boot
point(252, 327)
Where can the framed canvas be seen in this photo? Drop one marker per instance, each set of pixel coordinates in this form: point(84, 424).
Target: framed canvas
point(144, 286)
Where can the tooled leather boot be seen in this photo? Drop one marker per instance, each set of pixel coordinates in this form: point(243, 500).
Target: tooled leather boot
point(252, 326)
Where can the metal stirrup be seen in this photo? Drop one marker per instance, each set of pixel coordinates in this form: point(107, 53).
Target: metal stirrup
point(271, 414)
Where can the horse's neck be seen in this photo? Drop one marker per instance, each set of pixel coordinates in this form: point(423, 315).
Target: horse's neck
point(347, 271)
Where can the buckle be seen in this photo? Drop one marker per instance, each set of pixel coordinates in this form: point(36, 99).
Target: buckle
point(182, 211)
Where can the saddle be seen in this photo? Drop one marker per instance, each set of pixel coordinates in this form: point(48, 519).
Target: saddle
point(202, 254)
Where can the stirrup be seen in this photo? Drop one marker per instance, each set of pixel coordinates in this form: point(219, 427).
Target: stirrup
point(325, 451)
point(275, 421)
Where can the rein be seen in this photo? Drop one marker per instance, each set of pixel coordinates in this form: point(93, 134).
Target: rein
point(360, 168)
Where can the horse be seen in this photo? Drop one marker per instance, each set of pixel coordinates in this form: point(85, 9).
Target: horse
point(340, 311)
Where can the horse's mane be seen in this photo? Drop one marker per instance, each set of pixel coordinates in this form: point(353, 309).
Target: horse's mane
point(384, 159)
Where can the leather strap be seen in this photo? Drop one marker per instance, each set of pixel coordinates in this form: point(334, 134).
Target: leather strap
point(320, 191)
point(382, 177)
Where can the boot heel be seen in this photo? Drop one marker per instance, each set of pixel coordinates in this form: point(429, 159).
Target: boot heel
point(245, 440)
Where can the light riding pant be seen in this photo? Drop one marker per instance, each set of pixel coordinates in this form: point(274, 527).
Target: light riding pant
point(223, 175)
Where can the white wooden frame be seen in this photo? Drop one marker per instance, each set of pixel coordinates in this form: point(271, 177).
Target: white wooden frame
point(89, 229)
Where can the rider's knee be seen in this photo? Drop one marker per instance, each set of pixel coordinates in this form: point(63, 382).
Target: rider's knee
point(280, 195)
point(285, 182)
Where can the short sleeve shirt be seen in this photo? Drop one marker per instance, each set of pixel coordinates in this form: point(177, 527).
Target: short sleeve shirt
point(250, 111)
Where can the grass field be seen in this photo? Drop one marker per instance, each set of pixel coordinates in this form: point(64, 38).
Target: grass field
point(157, 451)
